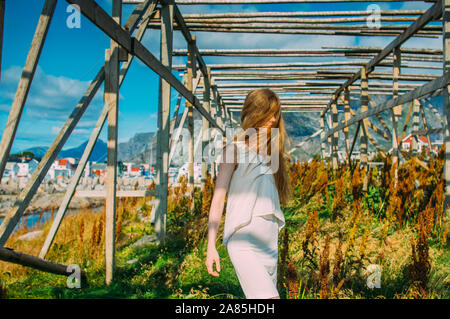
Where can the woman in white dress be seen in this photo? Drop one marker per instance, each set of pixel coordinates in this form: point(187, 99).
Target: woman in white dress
point(255, 174)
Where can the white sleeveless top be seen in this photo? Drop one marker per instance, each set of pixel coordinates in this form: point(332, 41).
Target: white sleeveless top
point(252, 191)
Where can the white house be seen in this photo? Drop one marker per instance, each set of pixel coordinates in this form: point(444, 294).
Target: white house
point(26, 168)
point(60, 168)
point(11, 169)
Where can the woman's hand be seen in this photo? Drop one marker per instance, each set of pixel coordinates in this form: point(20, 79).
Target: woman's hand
point(212, 256)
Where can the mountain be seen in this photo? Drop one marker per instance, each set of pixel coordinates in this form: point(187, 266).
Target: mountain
point(135, 145)
point(98, 153)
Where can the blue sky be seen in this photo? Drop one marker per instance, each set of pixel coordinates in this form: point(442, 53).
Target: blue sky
point(72, 57)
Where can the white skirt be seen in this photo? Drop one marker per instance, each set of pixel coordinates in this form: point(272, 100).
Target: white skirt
point(253, 250)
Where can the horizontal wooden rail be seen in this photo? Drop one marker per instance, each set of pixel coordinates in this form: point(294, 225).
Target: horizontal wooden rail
point(131, 193)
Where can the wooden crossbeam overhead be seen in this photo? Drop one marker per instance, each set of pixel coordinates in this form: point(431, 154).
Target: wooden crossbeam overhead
point(295, 65)
point(433, 13)
point(296, 52)
point(364, 13)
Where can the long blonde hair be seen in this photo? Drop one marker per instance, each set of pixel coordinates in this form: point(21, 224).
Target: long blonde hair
point(259, 106)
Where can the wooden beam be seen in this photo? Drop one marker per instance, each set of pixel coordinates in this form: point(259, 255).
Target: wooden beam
point(23, 88)
point(191, 71)
point(364, 107)
point(111, 98)
point(446, 100)
point(335, 138)
point(322, 136)
point(10, 255)
point(433, 13)
point(119, 194)
point(357, 13)
point(205, 132)
point(162, 175)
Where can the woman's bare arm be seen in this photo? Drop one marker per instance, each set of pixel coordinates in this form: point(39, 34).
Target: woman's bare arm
point(226, 169)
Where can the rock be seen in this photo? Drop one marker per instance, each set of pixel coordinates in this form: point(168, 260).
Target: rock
point(31, 235)
point(145, 240)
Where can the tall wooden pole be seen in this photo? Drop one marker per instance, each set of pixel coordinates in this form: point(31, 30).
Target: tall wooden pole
point(396, 112)
point(25, 82)
point(346, 117)
point(214, 116)
point(446, 66)
point(205, 134)
point(192, 72)
point(335, 139)
point(162, 181)
point(322, 137)
point(112, 66)
point(330, 126)
point(363, 138)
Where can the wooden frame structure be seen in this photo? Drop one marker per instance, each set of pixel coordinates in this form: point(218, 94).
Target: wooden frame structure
point(324, 87)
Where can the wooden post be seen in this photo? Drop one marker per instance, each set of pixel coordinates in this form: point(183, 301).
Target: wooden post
point(396, 112)
point(346, 117)
point(25, 82)
point(330, 126)
point(205, 134)
point(162, 180)
point(192, 72)
point(446, 67)
point(363, 138)
point(112, 66)
point(322, 137)
point(415, 139)
point(214, 116)
point(335, 139)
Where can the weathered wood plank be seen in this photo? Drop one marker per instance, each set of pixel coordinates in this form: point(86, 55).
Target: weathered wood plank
point(10, 255)
point(162, 175)
point(431, 14)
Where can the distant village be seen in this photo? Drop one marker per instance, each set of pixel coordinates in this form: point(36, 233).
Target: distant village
point(62, 168)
